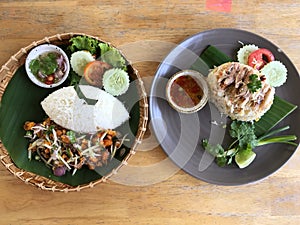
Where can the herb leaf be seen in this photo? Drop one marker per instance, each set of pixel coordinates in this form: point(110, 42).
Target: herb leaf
point(46, 64)
point(34, 66)
point(254, 84)
point(244, 133)
point(72, 136)
point(216, 151)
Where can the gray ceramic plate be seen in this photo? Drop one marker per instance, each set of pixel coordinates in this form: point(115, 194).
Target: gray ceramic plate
point(180, 135)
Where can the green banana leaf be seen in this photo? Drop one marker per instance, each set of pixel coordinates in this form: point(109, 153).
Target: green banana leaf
point(21, 103)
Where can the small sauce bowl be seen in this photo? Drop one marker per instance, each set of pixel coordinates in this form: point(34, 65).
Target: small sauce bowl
point(187, 91)
point(43, 50)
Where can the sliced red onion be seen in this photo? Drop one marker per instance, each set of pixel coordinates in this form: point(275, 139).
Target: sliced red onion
point(64, 67)
point(59, 171)
point(41, 75)
point(60, 60)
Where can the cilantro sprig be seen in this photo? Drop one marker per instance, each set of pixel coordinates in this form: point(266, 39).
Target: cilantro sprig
point(254, 84)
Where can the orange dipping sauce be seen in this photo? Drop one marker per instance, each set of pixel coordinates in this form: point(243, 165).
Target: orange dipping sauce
point(186, 92)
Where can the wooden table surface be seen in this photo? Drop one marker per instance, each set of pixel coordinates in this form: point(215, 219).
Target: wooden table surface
point(178, 198)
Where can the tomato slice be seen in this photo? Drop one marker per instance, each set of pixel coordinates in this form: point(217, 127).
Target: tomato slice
point(260, 57)
point(93, 72)
point(49, 79)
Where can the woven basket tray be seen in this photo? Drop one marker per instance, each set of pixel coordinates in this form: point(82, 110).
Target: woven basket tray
point(7, 72)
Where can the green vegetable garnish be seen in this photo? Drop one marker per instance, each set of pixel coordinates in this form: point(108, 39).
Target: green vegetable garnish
point(50, 128)
point(84, 43)
point(244, 133)
point(244, 141)
point(217, 151)
point(45, 63)
point(112, 56)
point(34, 66)
point(72, 136)
point(254, 84)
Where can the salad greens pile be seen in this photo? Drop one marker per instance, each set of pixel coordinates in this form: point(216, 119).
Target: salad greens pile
point(101, 51)
point(84, 43)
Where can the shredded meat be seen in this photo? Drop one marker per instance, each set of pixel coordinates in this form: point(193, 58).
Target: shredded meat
point(228, 84)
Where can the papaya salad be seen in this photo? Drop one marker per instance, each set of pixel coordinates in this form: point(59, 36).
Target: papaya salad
point(65, 150)
point(80, 129)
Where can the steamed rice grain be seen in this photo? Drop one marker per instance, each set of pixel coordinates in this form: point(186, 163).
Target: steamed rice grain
point(66, 109)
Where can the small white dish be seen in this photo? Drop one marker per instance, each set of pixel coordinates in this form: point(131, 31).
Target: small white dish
point(197, 81)
point(44, 49)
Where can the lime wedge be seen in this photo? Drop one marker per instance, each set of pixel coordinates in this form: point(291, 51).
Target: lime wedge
point(244, 157)
point(79, 60)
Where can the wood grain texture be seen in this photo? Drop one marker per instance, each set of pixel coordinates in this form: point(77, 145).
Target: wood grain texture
point(179, 199)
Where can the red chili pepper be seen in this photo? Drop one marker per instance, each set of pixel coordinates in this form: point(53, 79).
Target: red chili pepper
point(259, 58)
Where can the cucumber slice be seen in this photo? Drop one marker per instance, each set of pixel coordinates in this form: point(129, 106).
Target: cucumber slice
point(115, 81)
point(79, 60)
point(275, 72)
point(244, 52)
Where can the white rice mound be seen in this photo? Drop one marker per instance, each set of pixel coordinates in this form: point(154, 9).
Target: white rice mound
point(231, 96)
point(66, 109)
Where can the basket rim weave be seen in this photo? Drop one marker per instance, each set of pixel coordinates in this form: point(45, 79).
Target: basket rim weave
point(8, 70)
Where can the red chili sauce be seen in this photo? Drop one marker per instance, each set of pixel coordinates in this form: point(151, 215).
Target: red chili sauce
point(186, 92)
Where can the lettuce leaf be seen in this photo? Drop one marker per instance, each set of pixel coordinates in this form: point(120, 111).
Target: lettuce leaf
point(84, 43)
point(107, 53)
point(112, 56)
